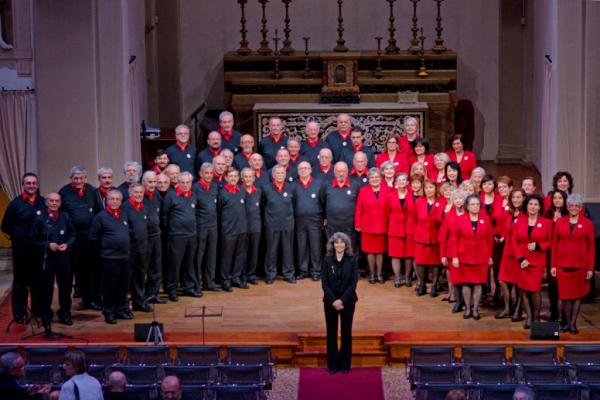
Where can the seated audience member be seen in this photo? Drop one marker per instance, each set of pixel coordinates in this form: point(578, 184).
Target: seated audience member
point(80, 385)
point(170, 388)
point(116, 382)
point(13, 370)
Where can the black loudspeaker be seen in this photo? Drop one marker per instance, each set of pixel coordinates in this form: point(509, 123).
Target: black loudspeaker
point(140, 332)
point(545, 331)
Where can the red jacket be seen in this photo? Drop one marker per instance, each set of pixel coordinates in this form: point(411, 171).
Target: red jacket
point(370, 212)
point(573, 249)
point(429, 164)
point(447, 229)
point(399, 217)
point(472, 247)
point(427, 224)
point(400, 161)
point(405, 146)
point(541, 235)
point(467, 163)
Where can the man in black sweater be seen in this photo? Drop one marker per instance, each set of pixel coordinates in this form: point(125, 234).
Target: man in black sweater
point(80, 201)
point(276, 140)
point(258, 166)
point(12, 370)
point(312, 146)
point(339, 201)
point(278, 199)
point(154, 251)
point(339, 139)
point(213, 149)
point(207, 191)
point(136, 214)
point(230, 137)
point(110, 235)
point(296, 158)
point(242, 158)
point(357, 138)
point(179, 218)
point(53, 236)
point(17, 221)
point(359, 174)
point(309, 223)
point(232, 213)
point(324, 170)
point(254, 224)
point(133, 172)
point(183, 153)
point(105, 183)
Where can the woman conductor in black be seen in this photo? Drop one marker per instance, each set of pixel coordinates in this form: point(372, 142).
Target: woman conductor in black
point(339, 275)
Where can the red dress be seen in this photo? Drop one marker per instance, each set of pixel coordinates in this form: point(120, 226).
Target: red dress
point(509, 266)
point(428, 162)
point(530, 278)
point(573, 252)
point(473, 247)
point(446, 232)
point(370, 219)
point(400, 160)
point(428, 220)
point(467, 163)
point(399, 224)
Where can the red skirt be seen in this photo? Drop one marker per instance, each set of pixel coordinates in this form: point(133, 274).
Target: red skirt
point(572, 284)
point(530, 278)
point(471, 273)
point(427, 254)
point(509, 270)
point(373, 243)
point(398, 247)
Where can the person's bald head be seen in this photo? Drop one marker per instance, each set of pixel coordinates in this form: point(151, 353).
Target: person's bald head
point(53, 201)
point(170, 388)
point(214, 140)
point(116, 382)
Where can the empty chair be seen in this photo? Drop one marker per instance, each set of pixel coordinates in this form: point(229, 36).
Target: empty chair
point(237, 392)
point(557, 392)
point(431, 355)
point(101, 355)
point(581, 354)
point(586, 373)
point(253, 355)
point(483, 355)
point(446, 374)
point(494, 392)
point(98, 371)
point(593, 391)
point(193, 392)
point(39, 374)
point(492, 374)
point(190, 374)
point(198, 355)
point(45, 355)
point(8, 349)
point(545, 373)
point(134, 392)
point(241, 374)
point(438, 391)
point(139, 374)
point(147, 355)
point(534, 355)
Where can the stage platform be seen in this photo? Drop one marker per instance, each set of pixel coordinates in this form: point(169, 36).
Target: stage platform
point(290, 319)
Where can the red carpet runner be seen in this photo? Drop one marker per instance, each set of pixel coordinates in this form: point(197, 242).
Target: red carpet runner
point(359, 384)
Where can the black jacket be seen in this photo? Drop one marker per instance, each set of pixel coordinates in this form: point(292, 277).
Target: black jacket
point(339, 280)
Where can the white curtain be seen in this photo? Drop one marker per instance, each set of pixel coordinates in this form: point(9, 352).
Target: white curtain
point(18, 144)
point(132, 144)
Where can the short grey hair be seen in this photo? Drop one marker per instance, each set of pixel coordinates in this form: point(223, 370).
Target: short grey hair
point(442, 156)
point(8, 361)
point(225, 114)
point(77, 170)
point(575, 198)
point(344, 238)
point(293, 139)
point(325, 150)
point(387, 164)
point(104, 170)
point(458, 193)
point(340, 164)
point(135, 164)
point(148, 175)
point(247, 169)
point(527, 391)
point(226, 151)
point(277, 166)
point(479, 170)
point(115, 191)
point(206, 165)
point(184, 174)
point(133, 187)
point(374, 171)
point(182, 127)
point(171, 166)
point(410, 119)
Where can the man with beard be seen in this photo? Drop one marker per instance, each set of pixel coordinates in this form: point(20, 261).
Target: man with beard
point(357, 139)
point(161, 160)
point(242, 158)
point(133, 172)
point(105, 180)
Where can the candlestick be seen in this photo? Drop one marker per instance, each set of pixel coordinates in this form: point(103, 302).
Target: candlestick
point(439, 42)
point(244, 50)
point(276, 73)
point(391, 48)
point(264, 49)
point(341, 47)
point(378, 71)
point(414, 42)
point(287, 48)
point(307, 73)
point(422, 70)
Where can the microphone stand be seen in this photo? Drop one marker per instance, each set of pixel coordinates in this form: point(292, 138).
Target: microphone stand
point(154, 330)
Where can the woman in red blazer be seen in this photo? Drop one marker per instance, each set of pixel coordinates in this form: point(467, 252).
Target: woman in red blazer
point(388, 174)
point(490, 201)
point(509, 266)
point(391, 152)
point(532, 238)
point(573, 252)
point(421, 154)
point(428, 219)
point(555, 211)
point(371, 220)
point(400, 209)
point(451, 217)
point(464, 158)
point(411, 132)
point(471, 250)
point(439, 161)
point(562, 180)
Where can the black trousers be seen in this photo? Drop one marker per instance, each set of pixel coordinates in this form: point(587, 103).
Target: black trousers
point(115, 282)
point(339, 359)
point(206, 256)
point(154, 275)
point(57, 267)
point(252, 247)
point(308, 241)
point(233, 257)
point(348, 230)
point(139, 272)
point(23, 272)
point(273, 240)
point(87, 270)
point(181, 253)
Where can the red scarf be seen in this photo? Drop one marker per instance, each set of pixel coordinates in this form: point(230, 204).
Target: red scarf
point(358, 148)
point(115, 213)
point(53, 214)
point(278, 139)
point(294, 159)
point(231, 189)
point(79, 192)
point(251, 190)
point(355, 172)
point(325, 171)
point(336, 184)
point(204, 185)
point(312, 143)
point(182, 193)
point(30, 201)
point(156, 169)
point(218, 177)
point(279, 188)
point(214, 152)
point(137, 206)
point(149, 194)
point(104, 191)
point(247, 156)
point(344, 135)
point(182, 147)
point(226, 135)
point(307, 184)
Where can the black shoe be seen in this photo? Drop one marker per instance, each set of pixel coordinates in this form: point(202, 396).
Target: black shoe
point(316, 277)
point(565, 328)
point(226, 287)
point(110, 319)
point(291, 280)
point(467, 314)
point(65, 319)
point(379, 280)
point(173, 297)
point(408, 282)
point(501, 315)
point(269, 281)
point(157, 300)
point(574, 330)
point(301, 276)
point(421, 290)
point(91, 306)
point(476, 315)
point(142, 307)
point(48, 334)
point(345, 371)
point(516, 318)
point(252, 281)
point(434, 293)
point(192, 293)
point(526, 325)
point(19, 319)
point(397, 284)
point(125, 314)
point(240, 284)
point(457, 307)
point(213, 288)
point(332, 371)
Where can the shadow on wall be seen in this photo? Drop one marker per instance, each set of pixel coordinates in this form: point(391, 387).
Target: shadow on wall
point(467, 89)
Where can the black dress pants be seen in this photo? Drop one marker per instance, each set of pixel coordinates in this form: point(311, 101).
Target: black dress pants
point(233, 257)
point(115, 282)
point(139, 272)
point(308, 239)
point(339, 359)
point(252, 246)
point(206, 256)
point(23, 272)
point(57, 267)
point(154, 257)
point(182, 252)
point(87, 271)
point(273, 240)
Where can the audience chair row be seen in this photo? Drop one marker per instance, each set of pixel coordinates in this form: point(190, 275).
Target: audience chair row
point(506, 391)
